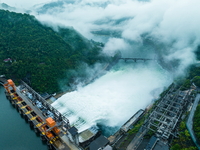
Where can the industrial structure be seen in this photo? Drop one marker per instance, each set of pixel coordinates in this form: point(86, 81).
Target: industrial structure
point(164, 118)
point(129, 124)
point(43, 118)
point(162, 121)
point(122, 132)
point(151, 144)
point(50, 124)
point(56, 131)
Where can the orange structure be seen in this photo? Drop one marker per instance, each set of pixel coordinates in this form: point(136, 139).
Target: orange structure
point(8, 85)
point(50, 128)
point(50, 122)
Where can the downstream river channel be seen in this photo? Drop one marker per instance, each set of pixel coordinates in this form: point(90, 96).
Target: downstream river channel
point(15, 132)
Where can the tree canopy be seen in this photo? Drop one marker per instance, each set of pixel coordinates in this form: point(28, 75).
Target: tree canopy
point(40, 55)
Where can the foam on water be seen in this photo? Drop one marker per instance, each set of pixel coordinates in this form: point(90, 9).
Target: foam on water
point(113, 98)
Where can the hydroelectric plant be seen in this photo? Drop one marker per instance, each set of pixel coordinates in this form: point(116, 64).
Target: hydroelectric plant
point(73, 123)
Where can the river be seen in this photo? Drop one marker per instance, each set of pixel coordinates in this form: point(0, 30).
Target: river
point(15, 132)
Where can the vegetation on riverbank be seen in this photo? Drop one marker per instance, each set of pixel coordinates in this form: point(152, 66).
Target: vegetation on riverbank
point(194, 77)
point(184, 141)
point(196, 123)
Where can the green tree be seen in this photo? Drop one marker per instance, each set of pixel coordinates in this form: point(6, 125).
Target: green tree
point(40, 55)
point(196, 80)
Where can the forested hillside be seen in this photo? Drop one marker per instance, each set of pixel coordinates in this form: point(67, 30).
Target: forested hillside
point(41, 56)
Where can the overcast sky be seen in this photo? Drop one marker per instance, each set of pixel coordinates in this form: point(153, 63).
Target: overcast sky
point(23, 3)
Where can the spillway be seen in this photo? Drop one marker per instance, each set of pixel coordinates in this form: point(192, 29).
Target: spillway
point(113, 98)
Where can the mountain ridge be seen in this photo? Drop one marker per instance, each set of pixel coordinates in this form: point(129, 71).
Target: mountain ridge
point(39, 54)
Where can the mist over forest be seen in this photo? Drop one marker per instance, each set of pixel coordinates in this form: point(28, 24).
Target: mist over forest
point(42, 57)
point(161, 29)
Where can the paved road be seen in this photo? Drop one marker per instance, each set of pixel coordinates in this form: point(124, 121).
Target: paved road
point(189, 123)
point(137, 140)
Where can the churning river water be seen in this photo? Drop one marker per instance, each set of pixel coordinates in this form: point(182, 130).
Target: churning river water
point(112, 99)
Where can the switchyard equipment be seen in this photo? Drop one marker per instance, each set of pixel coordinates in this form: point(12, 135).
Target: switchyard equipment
point(167, 113)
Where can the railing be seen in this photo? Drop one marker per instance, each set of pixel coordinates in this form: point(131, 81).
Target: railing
point(2, 81)
point(58, 116)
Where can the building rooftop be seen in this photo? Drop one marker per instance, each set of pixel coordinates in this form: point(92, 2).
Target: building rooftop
point(152, 142)
point(73, 131)
point(100, 142)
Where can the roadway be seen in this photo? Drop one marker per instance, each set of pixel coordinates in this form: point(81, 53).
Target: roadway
point(137, 139)
point(189, 123)
point(68, 145)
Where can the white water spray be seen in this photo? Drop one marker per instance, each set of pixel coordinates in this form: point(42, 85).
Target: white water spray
point(112, 99)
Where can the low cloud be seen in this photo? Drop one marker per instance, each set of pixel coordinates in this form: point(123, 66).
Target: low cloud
point(116, 44)
point(23, 3)
point(173, 24)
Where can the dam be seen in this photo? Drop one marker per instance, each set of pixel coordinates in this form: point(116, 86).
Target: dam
point(53, 128)
point(69, 129)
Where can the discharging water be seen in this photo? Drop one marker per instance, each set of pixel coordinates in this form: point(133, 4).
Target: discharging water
point(113, 98)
